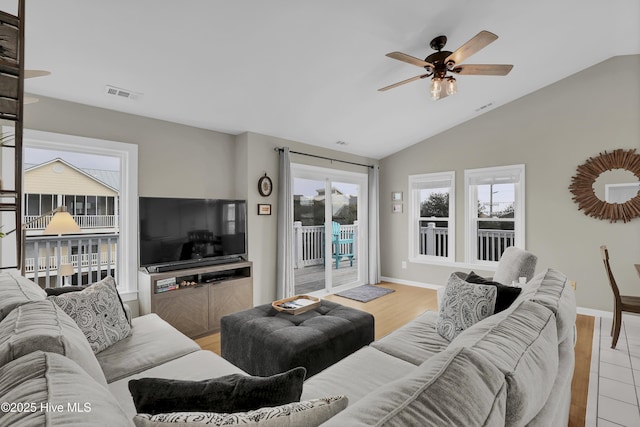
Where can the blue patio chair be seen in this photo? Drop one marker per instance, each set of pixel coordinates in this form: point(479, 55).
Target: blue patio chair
point(338, 243)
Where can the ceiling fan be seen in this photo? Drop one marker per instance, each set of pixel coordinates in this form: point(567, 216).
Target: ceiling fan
point(442, 64)
point(30, 74)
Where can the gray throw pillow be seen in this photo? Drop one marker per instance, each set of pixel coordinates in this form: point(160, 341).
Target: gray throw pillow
point(308, 413)
point(230, 393)
point(98, 312)
point(463, 305)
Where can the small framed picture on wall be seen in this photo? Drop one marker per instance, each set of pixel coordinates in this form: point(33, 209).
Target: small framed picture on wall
point(264, 209)
point(396, 196)
point(396, 208)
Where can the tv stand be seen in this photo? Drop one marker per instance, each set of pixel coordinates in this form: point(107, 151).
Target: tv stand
point(194, 299)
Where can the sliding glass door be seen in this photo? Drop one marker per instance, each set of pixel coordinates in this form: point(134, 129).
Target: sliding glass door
point(329, 229)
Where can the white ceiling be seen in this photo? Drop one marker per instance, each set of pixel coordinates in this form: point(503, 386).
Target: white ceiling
point(309, 70)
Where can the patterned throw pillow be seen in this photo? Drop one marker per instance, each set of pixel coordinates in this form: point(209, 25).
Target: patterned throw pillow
point(463, 305)
point(98, 312)
point(308, 413)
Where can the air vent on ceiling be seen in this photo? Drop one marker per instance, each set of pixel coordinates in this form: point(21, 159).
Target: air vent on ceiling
point(121, 93)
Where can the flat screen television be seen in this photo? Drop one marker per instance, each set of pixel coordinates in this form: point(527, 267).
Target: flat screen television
point(178, 233)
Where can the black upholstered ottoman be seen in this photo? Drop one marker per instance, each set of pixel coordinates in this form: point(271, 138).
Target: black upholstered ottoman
point(262, 341)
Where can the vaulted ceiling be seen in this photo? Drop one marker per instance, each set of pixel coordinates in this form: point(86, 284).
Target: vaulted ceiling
point(309, 70)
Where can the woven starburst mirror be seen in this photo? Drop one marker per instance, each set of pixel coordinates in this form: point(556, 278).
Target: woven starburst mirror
point(586, 174)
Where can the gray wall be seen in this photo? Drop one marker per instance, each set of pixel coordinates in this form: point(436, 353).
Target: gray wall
point(182, 161)
point(551, 131)
point(258, 157)
point(173, 160)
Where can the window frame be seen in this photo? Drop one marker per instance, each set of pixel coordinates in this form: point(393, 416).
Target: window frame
point(471, 208)
point(127, 153)
point(415, 218)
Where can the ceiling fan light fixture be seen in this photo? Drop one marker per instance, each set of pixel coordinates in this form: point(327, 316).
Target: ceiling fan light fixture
point(451, 86)
point(435, 87)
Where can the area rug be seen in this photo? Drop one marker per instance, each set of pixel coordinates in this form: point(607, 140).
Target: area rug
point(365, 293)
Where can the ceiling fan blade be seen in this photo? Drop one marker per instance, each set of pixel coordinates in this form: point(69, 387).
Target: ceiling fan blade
point(29, 74)
point(409, 59)
point(481, 40)
point(404, 82)
point(29, 100)
point(483, 69)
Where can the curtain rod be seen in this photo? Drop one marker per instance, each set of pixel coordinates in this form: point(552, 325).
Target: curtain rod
point(325, 158)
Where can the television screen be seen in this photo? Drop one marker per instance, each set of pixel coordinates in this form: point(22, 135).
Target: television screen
point(175, 230)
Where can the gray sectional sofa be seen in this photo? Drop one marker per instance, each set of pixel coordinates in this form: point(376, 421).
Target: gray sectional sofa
point(46, 360)
point(513, 368)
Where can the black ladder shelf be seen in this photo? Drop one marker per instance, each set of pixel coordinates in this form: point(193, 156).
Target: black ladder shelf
point(11, 111)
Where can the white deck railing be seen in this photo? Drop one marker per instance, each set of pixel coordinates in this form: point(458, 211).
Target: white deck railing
point(84, 221)
point(308, 243)
point(491, 243)
point(53, 251)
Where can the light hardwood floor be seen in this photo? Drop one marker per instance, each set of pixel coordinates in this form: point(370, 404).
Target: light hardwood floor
point(398, 308)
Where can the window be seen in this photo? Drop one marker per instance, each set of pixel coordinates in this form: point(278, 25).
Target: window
point(125, 206)
point(33, 204)
point(494, 211)
point(432, 217)
point(38, 204)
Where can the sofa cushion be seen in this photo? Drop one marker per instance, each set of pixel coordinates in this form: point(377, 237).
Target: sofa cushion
point(515, 263)
point(98, 312)
point(357, 375)
point(523, 344)
point(53, 381)
point(229, 393)
point(506, 294)
point(414, 342)
point(452, 388)
point(551, 289)
point(152, 342)
point(16, 290)
point(310, 413)
point(463, 305)
point(195, 366)
point(42, 325)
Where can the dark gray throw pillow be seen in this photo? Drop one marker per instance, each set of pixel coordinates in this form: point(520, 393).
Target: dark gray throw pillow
point(506, 294)
point(63, 290)
point(230, 393)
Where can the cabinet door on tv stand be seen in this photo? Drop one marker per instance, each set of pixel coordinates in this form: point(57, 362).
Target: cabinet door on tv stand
point(229, 297)
point(187, 310)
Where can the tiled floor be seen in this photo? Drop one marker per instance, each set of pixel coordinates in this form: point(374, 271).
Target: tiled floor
point(614, 381)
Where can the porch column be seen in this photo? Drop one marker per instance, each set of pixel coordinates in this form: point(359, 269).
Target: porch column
point(431, 238)
point(297, 244)
point(355, 239)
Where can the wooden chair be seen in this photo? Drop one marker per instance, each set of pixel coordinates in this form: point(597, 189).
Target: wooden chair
point(337, 243)
point(630, 304)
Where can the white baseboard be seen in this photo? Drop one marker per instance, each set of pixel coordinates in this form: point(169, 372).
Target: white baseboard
point(411, 283)
point(580, 310)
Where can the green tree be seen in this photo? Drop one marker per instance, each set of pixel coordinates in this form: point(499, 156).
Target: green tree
point(437, 205)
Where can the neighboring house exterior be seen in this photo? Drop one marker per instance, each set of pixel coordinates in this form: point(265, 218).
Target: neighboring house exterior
point(91, 197)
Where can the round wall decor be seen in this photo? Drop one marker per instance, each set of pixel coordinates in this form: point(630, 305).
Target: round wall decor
point(582, 186)
point(265, 186)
